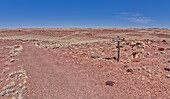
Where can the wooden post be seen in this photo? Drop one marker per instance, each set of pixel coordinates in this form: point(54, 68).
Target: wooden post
point(118, 43)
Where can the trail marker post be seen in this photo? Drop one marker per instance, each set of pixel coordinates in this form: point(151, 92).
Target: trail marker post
point(118, 39)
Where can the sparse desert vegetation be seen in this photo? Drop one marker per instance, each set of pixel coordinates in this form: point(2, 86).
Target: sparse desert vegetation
point(73, 63)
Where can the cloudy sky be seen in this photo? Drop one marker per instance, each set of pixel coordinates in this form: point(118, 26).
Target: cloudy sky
point(84, 13)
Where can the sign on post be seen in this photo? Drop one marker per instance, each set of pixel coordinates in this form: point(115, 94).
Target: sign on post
point(118, 39)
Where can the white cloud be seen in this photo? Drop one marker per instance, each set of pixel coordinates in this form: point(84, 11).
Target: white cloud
point(131, 14)
point(134, 17)
point(139, 19)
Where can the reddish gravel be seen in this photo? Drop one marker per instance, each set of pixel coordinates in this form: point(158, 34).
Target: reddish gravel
point(56, 74)
point(83, 70)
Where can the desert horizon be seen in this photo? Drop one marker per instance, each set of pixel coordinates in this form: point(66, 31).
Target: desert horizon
point(84, 49)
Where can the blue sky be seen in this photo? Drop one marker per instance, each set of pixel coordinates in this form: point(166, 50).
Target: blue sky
point(84, 13)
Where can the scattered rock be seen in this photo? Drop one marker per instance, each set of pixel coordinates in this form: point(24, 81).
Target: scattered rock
point(126, 66)
point(18, 48)
point(12, 60)
point(144, 68)
point(8, 47)
point(95, 56)
point(7, 90)
point(134, 48)
point(129, 70)
point(148, 42)
point(138, 68)
point(9, 86)
point(167, 68)
point(168, 76)
point(163, 40)
point(110, 83)
point(113, 58)
point(7, 63)
point(5, 70)
point(1, 80)
point(18, 74)
point(154, 45)
point(166, 43)
point(20, 85)
point(135, 61)
point(148, 53)
point(156, 53)
point(157, 72)
point(149, 75)
point(162, 49)
point(149, 71)
point(14, 54)
point(162, 52)
point(2, 94)
point(10, 91)
point(56, 47)
point(168, 61)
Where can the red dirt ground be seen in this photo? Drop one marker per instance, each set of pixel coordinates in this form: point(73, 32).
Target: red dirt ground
point(76, 64)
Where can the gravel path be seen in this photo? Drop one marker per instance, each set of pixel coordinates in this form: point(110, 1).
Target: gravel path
point(49, 78)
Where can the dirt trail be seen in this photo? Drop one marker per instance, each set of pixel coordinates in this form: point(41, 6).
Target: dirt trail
point(49, 78)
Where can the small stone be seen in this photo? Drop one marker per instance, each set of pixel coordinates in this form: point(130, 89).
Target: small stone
point(157, 72)
point(138, 68)
point(149, 75)
point(144, 68)
point(148, 53)
point(113, 58)
point(55, 47)
point(126, 66)
point(156, 53)
point(20, 85)
point(168, 61)
point(110, 83)
point(5, 70)
point(7, 63)
point(149, 71)
point(168, 76)
point(162, 49)
point(154, 46)
point(95, 56)
point(14, 54)
point(18, 48)
point(1, 80)
point(129, 70)
point(163, 40)
point(167, 68)
point(10, 91)
point(3, 93)
point(12, 60)
point(9, 47)
point(9, 86)
point(142, 78)
point(162, 52)
point(166, 43)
